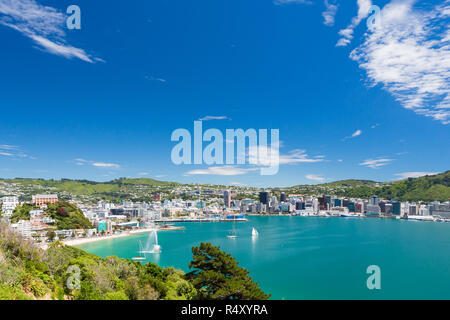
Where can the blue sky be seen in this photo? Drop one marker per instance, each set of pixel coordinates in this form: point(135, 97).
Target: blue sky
point(101, 102)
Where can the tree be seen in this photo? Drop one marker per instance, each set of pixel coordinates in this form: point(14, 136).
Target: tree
point(216, 275)
point(51, 235)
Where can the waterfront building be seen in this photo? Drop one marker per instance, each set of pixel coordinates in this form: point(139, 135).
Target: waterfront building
point(388, 209)
point(373, 210)
point(441, 210)
point(283, 197)
point(382, 206)
point(264, 197)
point(351, 207)
point(44, 199)
point(300, 205)
point(396, 208)
point(373, 200)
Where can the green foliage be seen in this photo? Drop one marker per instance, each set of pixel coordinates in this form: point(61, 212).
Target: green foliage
point(28, 272)
point(216, 275)
point(22, 212)
point(68, 216)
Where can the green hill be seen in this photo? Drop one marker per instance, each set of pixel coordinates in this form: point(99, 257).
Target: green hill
point(65, 214)
point(427, 188)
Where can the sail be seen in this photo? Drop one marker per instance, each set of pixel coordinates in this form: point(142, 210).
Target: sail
point(254, 232)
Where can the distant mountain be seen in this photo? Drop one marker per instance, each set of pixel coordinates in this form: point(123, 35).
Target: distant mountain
point(427, 188)
point(350, 183)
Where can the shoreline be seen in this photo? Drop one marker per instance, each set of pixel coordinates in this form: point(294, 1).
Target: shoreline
point(80, 241)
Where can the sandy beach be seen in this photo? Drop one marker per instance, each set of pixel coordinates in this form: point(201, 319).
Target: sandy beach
point(76, 242)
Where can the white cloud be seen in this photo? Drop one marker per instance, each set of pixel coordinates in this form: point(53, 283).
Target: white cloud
point(161, 176)
point(405, 175)
point(347, 33)
point(7, 150)
point(82, 162)
point(330, 12)
point(315, 177)
point(354, 135)
point(105, 165)
point(43, 24)
point(376, 163)
point(207, 118)
point(143, 173)
point(221, 171)
point(8, 147)
point(409, 54)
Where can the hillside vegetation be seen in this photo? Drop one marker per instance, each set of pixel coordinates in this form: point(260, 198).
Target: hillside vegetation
point(65, 214)
point(64, 272)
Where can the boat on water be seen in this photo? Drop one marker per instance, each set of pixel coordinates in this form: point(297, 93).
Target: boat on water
point(350, 215)
point(139, 258)
point(231, 236)
point(254, 232)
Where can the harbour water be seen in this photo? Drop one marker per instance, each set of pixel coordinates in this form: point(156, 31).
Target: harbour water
point(313, 257)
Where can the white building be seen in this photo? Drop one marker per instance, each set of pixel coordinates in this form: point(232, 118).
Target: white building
point(8, 205)
point(23, 227)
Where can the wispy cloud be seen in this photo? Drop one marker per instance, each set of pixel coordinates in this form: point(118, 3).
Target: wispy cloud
point(155, 79)
point(315, 177)
point(105, 165)
point(347, 33)
point(207, 118)
point(409, 54)
point(82, 162)
point(221, 171)
point(376, 163)
point(354, 135)
point(7, 150)
point(329, 13)
point(405, 175)
point(43, 24)
point(261, 155)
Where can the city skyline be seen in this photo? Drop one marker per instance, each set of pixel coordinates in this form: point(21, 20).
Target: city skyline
point(101, 102)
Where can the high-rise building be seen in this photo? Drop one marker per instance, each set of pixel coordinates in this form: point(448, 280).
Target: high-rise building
point(227, 198)
point(323, 203)
point(264, 197)
point(283, 197)
point(373, 200)
point(300, 205)
point(396, 208)
point(351, 207)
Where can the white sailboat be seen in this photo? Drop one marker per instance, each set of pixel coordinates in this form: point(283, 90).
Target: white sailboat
point(254, 232)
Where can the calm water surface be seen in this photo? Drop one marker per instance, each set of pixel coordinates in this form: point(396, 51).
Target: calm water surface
point(315, 258)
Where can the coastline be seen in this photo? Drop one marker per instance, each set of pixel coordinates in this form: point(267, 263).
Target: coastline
point(80, 241)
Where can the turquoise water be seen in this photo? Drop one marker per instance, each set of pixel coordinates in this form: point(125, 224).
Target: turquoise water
point(316, 258)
